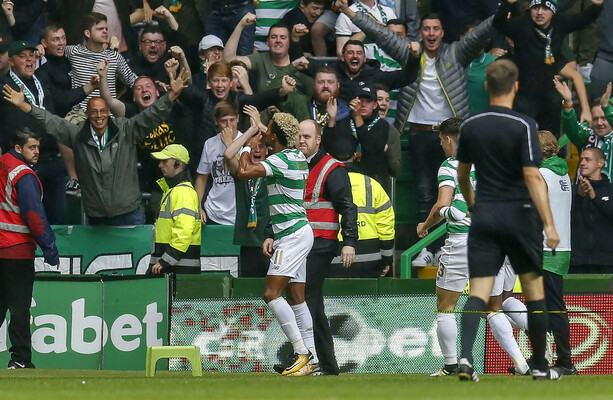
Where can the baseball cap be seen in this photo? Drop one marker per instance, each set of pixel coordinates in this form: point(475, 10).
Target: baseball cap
point(176, 151)
point(550, 4)
point(210, 41)
point(19, 46)
point(367, 92)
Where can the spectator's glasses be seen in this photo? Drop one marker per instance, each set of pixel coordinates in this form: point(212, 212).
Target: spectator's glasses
point(148, 42)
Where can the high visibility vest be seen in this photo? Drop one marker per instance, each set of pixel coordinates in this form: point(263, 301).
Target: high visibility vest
point(320, 212)
point(13, 229)
point(178, 227)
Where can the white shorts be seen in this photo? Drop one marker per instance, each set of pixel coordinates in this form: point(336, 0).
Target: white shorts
point(328, 18)
point(453, 265)
point(290, 255)
point(505, 280)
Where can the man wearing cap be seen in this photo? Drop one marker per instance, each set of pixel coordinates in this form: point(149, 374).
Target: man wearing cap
point(371, 131)
point(178, 228)
point(210, 51)
point(50, 167)
point(538, 42)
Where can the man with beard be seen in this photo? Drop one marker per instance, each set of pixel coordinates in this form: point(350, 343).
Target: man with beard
point(22, 226)
point(354, 71)
point(50, 166)
point(323, 107)
point(269, 67)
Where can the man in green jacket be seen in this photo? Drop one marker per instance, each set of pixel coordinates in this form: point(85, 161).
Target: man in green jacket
point(599, 134)
point(105, 152)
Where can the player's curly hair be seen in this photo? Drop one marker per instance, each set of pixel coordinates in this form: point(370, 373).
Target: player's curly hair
point(549, 144)
point(285, 127)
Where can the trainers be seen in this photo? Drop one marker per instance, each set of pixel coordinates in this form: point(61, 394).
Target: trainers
point(308, 369)
point(466, 372)
point(446, 370)
point(72, 187)
point(19, 365)
point(298, 361)
point(437, 257)
point(423, 259)
point(552, 374)
point(566, 370)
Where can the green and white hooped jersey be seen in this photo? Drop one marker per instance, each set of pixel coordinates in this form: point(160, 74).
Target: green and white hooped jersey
point(268, 13)
point(286, 175)
point(457, 217)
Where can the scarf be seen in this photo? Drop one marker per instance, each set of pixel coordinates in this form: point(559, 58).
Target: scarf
point(549, 58)
point(254, 186)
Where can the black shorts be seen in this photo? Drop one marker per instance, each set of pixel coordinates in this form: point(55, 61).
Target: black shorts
point(511, 229)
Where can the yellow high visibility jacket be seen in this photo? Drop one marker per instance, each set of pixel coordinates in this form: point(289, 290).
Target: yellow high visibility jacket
point(376, 228)
point(178, 230)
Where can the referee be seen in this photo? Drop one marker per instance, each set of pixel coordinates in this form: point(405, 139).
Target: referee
point(504, 147)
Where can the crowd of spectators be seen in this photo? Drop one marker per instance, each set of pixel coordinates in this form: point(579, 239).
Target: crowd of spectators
point(97, 75)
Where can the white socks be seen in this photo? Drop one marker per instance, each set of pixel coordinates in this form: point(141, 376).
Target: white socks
point(286, 318)
point(503, 332)
point(519, 320)
point(305, 324)
point(447, 332)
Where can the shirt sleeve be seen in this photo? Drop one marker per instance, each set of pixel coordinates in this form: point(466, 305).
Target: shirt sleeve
point(531, 155)
point(273, 166)
point(125, 72)
point(204, 166)
point(344, 26)
point(446, 176)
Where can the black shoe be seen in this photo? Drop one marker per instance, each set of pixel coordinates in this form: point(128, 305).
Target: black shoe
point(466, 372)
point(566, 370)
point(511, 370)
point(448, 369)
point(552, 374)
point(19, 365)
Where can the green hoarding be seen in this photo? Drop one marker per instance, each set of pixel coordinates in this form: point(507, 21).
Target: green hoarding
point(95, 323)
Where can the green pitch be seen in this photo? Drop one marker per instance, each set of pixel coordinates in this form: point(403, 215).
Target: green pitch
point(130, 385)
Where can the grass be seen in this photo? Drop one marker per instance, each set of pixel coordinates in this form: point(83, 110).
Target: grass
point(119, 385)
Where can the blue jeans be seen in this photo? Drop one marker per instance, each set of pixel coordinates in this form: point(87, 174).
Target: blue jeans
point(136, 217)
point(222, 23)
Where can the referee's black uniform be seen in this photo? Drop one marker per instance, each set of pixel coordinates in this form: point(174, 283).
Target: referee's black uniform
point(500, 142)
point(505, 221)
